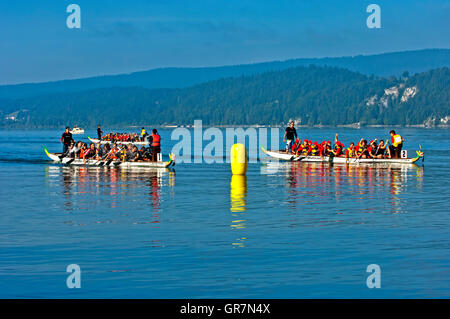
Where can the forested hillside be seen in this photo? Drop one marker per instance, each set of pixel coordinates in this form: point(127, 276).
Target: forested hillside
point(313, 95)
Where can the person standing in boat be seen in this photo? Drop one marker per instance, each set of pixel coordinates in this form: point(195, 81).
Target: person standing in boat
point(156, 145)
point(66, 139)
point(395, 148)
point(143, 134)
point(99, 132)
point(289, 136)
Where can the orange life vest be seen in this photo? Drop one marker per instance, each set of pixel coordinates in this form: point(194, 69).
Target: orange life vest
point(113, 153)
point(156, 140)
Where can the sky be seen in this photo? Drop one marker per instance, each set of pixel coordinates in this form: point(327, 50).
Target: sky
point(133, 35)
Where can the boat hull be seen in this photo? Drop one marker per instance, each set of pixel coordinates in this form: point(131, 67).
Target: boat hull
point(281, 155)
point(58, 158)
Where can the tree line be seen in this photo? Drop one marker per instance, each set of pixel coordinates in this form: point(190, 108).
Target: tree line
point(314, 95)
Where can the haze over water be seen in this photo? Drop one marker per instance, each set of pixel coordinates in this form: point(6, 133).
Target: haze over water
point(292, 230)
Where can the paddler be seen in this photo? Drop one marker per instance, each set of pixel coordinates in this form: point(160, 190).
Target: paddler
point(304, 148)
point(296, 145)
point(309, 149)
point(106, 149)
point(290, 135)
point(98, 152)
point(337, 150)
point(372, 148)
point(359, 147)
point(338, 147)
point(315, 149)
point(88, 153)
point(381, 150)
point(83, 150)
point(145, 153)
point(66, 139)
point(133, 155)
point(72, 150)
point(123, 153)
point(326, 148)
point(156, 145)
point(77, 149)
point(361, 150)
point(350, 153)
point(395, 148)
point(301, 147)
point(113, 153)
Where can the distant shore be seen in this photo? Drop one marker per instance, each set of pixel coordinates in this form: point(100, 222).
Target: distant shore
point(190, 126)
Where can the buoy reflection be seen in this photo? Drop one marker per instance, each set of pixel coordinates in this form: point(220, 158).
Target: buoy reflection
point(238, 197)
point(238, 193)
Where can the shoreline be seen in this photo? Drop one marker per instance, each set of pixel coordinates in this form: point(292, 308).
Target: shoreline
point(189, 126)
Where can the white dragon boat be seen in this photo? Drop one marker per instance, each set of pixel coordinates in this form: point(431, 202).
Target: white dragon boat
point(60, 158)
point(282, 155)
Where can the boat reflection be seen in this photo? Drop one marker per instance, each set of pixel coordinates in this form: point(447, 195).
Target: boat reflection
point(110, 182)
point(319, 180)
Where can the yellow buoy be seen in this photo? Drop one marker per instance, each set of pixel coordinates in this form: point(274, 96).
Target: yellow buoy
point(238, 157)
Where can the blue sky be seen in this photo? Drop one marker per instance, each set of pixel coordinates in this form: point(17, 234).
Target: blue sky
point(127, 36)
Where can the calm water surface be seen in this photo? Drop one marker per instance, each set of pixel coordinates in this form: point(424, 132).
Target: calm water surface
point(293, 230)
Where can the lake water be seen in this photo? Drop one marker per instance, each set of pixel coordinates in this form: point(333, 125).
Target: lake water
point(293, 230)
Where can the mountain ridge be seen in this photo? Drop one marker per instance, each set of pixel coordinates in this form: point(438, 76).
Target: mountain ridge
point(384, 64)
